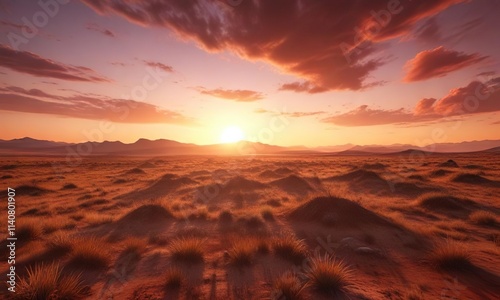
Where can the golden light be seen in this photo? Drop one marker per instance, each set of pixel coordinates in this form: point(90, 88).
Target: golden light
point(231, 134)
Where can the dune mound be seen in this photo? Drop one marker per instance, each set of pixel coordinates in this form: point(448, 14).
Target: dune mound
point(283, 171)
point(337, 212)
point(445, 203)
point(166, 184)
point(30, 190)
point(136, 171)
point(471, 179)
point(268, 174)
point(449, 164)
point(440, 173)
point(417, 177)
point(146, 165)
point(150, 213)
point(293, 184)
point(410, 189)
point(241, 183)
point(375, 166)
point(360, 175)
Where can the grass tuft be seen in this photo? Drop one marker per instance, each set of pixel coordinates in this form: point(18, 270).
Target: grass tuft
point(242, 252)
point(188, 250)
point(329, 276)
point(89, 253)
point(483, 218)
point(290, 248)
point(288, 286)
point(451, 255)
point(174, 278)
point(46, 282)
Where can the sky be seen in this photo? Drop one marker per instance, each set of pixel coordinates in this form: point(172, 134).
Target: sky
point(281, 72)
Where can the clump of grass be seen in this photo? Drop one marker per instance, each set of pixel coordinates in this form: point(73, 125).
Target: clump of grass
point(189, 249)
point(288, 286)
point(46, 282)
point(484, 218)
point(329, 276)
point(414, 293)
point(290, 248)
point(262, 246)
point(451, 255)
point(242, 252)
point(28, 230)
point(174, 278)
point(60, 243)
point(267, 214)
point(69, 186)
point(89, 253)
point(225, 216)
point(134, 246)
point(95, 219)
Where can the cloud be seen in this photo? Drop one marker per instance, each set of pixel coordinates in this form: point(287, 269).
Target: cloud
point(474, 98)
point(300, 87)
point(316, 41)
point(164, 67)
point(30, 63)
point(429, 32)
point(87, 107)
point(438, 62)
point(11, 24)
point(289, 114)
point(234, 95)
point(97, 28)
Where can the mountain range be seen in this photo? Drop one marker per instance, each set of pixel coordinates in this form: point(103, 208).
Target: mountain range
point(145, 147)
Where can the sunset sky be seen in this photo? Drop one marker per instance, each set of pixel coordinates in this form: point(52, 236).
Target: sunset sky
point(284, 72)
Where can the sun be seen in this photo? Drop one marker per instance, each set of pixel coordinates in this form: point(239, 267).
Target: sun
point(231, 134)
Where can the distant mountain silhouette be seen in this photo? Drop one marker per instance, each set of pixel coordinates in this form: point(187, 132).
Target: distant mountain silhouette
point(169, 147)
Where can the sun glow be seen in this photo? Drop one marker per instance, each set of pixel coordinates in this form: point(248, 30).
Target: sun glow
point(231, 134)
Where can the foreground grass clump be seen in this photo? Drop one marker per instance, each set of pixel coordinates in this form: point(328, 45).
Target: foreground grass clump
point(174, 278)
point(189, 249)
point(290, 248)
point(46, 282)
point(329, 276)
point(451, 255)
point(289, 287)
point(242, 252)
point(89, 253)
point(484, 218)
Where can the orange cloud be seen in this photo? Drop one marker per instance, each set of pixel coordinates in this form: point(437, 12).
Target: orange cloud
point(234, 95)
point(297, 114)
point(438, 62)
point(87, 107)
point(474, 98)
point(303, 38)
point(30, 63)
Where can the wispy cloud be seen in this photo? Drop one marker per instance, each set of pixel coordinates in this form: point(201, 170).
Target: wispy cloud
point(98, 28)
point(438, 62)
point(233, 95)
point(160, 65)
point(87, 107)
point(296, 114)
point(32, 64)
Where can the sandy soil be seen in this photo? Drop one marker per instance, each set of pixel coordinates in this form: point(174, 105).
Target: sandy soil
point(384, 216)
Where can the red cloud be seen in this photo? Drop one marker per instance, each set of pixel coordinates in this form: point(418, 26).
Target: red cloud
point(297, 114)
point(87, 107)
point(304, 38)
point(30, 63)
point(302, 87)
point(234, 95)
point(474, 98)
point(438, 62)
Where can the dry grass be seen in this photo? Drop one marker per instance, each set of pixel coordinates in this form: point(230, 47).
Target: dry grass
point(484, 218)
point(174, 278)
point(267, 213)
point(288, 286)
point(46, 282)
point(89, 253)
point(225, 216)
point(28, 230)
point(290, 248)
point(60, 243)
point(189, 250)
point(242, 252)
point(329, 276)
point(451, 255)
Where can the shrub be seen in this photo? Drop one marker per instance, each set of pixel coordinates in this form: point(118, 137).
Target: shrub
point(188, 249)
point(484, 218)
point(328, 276)
point(46, 282)
point(450, 255)
point(89, 253)
point(287, 286)
point(242, 252)
point(174, 278)
point(290, 248)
